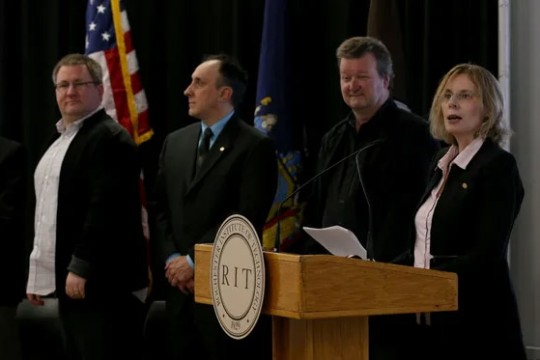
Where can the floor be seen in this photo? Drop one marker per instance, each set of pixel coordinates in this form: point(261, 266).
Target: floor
point(41, 336)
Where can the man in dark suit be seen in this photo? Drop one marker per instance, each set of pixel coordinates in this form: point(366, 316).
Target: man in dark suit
point(12, 272)
point(89, 249)
point(201, 181)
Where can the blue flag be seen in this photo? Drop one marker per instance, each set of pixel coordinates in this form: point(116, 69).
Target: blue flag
point(273, 116)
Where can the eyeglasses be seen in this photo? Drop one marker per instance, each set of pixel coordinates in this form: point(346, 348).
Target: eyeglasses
point(62, 87)
point(462, 96)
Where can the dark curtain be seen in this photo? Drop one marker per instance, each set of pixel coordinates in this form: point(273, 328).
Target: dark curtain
point(426, 37)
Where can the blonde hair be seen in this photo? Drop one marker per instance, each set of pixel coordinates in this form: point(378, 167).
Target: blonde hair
point(490, 94)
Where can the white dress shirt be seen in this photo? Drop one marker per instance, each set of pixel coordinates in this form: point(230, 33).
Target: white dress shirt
point(41, 275)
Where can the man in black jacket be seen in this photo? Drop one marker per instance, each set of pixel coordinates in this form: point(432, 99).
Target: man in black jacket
point(209, 170)
point(89, 250)
point(375, 192)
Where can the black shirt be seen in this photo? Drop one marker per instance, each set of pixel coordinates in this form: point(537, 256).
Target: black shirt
point(346, 203)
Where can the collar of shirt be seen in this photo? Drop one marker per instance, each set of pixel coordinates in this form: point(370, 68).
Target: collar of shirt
point(217, 128)
point(378, 121)
point(76, 125)
point(461, 159)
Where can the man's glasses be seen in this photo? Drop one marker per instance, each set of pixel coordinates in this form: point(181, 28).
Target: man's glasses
point(462, 96)
point(62, 87)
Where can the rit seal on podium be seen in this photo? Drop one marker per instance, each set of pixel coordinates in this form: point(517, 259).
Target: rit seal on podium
point(237, 277)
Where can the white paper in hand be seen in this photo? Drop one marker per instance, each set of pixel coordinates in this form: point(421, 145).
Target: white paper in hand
point(338, 241)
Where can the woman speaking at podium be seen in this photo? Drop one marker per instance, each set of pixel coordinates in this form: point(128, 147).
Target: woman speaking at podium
point(465, 220)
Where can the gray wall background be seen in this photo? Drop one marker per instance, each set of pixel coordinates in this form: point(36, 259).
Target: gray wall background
point(524, 95)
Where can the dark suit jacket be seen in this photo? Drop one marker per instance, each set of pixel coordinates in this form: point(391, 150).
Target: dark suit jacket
point(12, 212)
point(238, 176)
point(471, 228)
point(99, 211)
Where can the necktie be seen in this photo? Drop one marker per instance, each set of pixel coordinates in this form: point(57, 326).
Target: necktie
point(204, 146)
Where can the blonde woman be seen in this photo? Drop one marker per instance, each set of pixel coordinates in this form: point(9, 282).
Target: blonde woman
point(466, 218)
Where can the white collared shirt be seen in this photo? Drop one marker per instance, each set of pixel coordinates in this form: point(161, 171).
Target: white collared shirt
point(41, 275)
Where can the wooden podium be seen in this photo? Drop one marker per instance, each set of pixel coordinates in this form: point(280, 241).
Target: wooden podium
point(321, 303)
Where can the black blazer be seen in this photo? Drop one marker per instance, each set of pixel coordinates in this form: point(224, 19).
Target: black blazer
point(471, 228)
point(13, 178)
point(99, 211)
point(238, 176)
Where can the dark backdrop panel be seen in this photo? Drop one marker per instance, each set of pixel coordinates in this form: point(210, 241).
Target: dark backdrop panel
point(439, 35)
point(171, 36)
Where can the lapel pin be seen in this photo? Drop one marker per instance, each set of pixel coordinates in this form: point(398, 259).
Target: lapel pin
point(464, 185)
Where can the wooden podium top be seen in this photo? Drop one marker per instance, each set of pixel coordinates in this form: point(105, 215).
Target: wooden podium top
point(326, 286)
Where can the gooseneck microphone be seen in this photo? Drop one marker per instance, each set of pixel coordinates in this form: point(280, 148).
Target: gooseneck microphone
point(277, 241)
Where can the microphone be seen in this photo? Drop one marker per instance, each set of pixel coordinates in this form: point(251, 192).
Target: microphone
point(277, 240)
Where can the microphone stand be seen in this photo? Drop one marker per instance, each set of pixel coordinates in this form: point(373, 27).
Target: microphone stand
point(277, 241)
point(369, 242)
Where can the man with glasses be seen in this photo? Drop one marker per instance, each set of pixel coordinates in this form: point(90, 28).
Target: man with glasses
point(89, 249)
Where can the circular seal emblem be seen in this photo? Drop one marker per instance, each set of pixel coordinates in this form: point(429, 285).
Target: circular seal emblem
point(237, 277)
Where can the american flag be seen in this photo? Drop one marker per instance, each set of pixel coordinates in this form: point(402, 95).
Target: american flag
point(108, 41)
